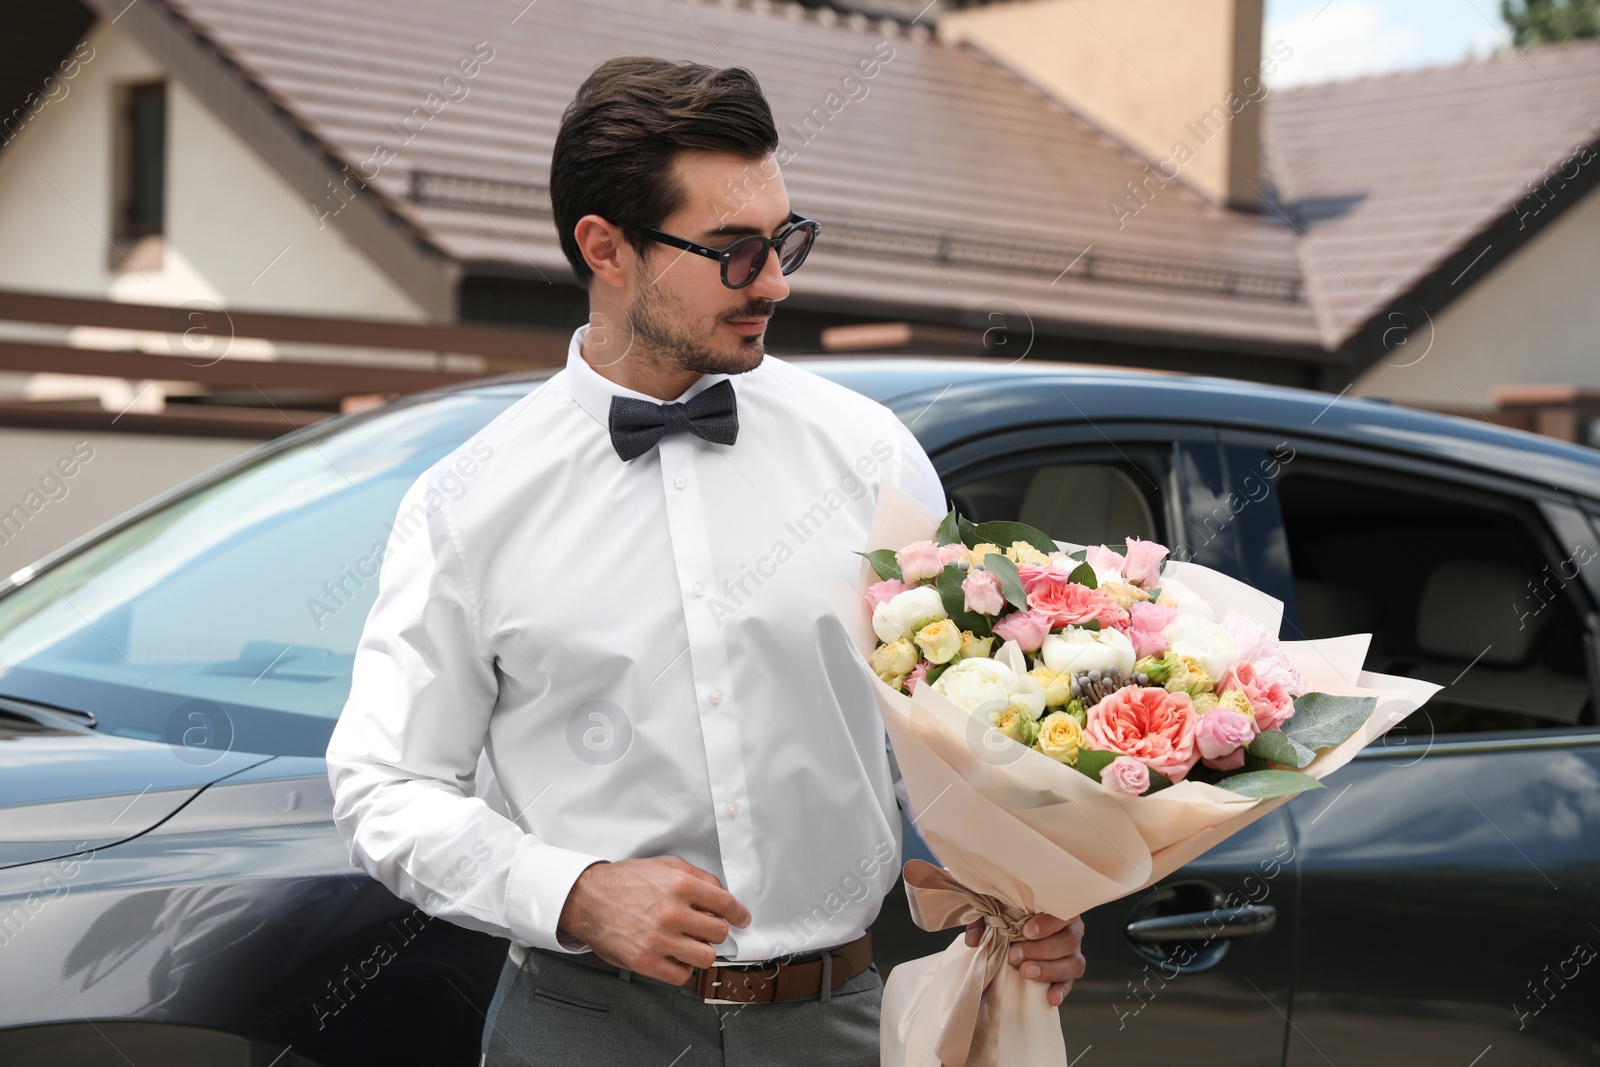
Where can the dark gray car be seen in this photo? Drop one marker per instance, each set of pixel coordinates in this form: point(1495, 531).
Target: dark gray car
point(172, 888)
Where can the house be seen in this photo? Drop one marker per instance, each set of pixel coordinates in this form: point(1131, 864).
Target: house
point(1109, 181)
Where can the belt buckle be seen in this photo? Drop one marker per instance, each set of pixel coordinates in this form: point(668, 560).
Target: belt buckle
point(699, 974)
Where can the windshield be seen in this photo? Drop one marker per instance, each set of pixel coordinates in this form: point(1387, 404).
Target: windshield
point(229, 618)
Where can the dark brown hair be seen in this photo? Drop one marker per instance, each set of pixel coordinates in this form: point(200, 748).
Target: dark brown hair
point(625, 127)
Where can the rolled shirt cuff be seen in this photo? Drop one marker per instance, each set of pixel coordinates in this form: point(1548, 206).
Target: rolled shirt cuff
point(541, 879)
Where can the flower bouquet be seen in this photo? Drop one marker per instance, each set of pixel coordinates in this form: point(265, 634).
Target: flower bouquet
point(1074, 723)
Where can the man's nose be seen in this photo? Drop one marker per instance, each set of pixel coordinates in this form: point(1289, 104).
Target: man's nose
point(770, 284)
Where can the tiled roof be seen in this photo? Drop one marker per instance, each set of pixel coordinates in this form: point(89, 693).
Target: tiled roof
point(946, 151)
point(1389, 175)
point(952, 188)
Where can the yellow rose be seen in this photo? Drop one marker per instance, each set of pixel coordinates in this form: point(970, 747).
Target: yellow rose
point(980, 551)
point(1237, 700)
point(897, 658)
point(1022, 552)
point(1189, 677)
point(973, 648)
point(1057, 685)
point(1124, 594)
point(1205, 702)
point(1016, 724)
point(1060, 737)
point(939, 641)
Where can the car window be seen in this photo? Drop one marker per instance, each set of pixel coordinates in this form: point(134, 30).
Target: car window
point(1456, 587)
point(229, 617)
point(1089, 497)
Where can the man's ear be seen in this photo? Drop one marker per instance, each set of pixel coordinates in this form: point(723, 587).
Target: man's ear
point(605, 249)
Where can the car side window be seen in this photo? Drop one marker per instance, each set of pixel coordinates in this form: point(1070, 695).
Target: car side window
point(1454, 588)
point(1086, 497)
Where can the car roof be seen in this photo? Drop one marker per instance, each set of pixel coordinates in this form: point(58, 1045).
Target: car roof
point(953, 399)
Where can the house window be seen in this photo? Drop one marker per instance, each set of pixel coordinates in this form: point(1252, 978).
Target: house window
point(142, 166)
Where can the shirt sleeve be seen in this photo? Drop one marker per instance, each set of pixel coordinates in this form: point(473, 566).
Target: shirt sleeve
point(916, 475)
point(404, 755)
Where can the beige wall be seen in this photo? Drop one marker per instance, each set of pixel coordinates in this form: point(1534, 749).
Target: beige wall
point(42, 508)
point(1145, 70)
point(1533, 319)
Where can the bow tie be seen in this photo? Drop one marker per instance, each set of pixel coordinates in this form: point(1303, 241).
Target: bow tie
point(636, 425)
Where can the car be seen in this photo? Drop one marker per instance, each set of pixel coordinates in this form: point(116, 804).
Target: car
point(172, 887)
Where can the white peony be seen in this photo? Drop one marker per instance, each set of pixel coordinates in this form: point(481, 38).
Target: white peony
point(1212, 646)
point(1076, 650)
point(905, 613)
point(1174, 594)
point(985, 685)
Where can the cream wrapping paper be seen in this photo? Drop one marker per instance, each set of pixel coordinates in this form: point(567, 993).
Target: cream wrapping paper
point(1021, 834)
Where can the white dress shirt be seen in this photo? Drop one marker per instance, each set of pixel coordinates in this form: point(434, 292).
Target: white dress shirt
point(643, 656)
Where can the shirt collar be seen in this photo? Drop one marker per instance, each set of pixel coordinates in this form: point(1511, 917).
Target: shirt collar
point(594, 391)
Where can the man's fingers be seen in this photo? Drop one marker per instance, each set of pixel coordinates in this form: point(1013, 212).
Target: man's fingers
point(703, 926)
point(710, 896)
point(1044, 925)
point(1066, 969)
point(1057, 993)
point(1062, 943)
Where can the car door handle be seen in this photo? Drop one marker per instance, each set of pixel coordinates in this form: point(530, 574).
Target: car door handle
point(1243, 921)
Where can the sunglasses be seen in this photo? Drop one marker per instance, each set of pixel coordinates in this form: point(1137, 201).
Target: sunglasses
point(743, 259)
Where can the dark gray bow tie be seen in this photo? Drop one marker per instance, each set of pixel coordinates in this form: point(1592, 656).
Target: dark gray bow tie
point(636, 425)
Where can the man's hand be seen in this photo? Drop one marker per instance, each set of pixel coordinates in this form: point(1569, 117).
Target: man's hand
point(659, 916)
point(1050, 953)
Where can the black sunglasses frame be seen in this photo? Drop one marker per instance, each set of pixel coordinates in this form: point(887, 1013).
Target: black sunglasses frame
point(725, 255)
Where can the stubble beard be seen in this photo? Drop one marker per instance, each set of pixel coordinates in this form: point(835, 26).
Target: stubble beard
point(661, 340)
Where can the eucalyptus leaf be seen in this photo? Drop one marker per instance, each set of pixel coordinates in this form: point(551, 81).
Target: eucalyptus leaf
point(1089, 624)
point(1263, 785)
point(1010, 581)
point(1092, 761)
point(1278, 747)
point(1083, 574)
point(1158, 781)
point(1003, 533)
point(948, 532)
point(969, 533)
point(1323, 719)
point(883, 562)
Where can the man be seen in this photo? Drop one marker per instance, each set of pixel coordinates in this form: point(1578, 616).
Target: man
point(626, 618)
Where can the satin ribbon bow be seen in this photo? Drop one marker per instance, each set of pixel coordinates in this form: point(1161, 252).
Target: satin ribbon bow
point(636, 425)
point(970, 1037)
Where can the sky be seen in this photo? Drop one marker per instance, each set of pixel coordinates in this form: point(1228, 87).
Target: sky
point(1337, 39)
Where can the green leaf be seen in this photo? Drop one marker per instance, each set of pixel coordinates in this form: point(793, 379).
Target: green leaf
point(1089, 624)
point(1278, 747)
point(1323, 719)
point(948, 532)
point(1010, 581)
point(1158, 781)
point(1003, 533)
point(969, 533)
point(954, 600)
point(1263, 785)
point(883, 562)
point(1078, 555)
point(1083, 574)
point(1092, 761)
point(933, 672)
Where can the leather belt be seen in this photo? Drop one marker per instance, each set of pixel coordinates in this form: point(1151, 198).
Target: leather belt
point(784, 978)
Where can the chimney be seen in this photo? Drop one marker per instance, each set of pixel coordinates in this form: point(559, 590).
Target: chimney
point(1176, 80)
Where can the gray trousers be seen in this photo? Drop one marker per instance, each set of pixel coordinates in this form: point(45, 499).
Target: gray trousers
point(558, 1009)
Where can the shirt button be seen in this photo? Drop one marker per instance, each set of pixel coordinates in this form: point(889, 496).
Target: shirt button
point(732, 808)
point(716, 696)
point(680, 483)
point(699, 590)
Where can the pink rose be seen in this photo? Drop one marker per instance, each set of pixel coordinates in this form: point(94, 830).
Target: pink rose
point(1125, 775)
point(948, 554)
point(919, 560)
point(1069, 603)
point(881, 592)
point(1027, 628)
point(1102, 558)
point(1143, 567)
point(1269, 700)
point(914, 679)
point(1149, 724)
point(1231, 762)
point(1147, 622)
point(1221, 731)
point(982, 591)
